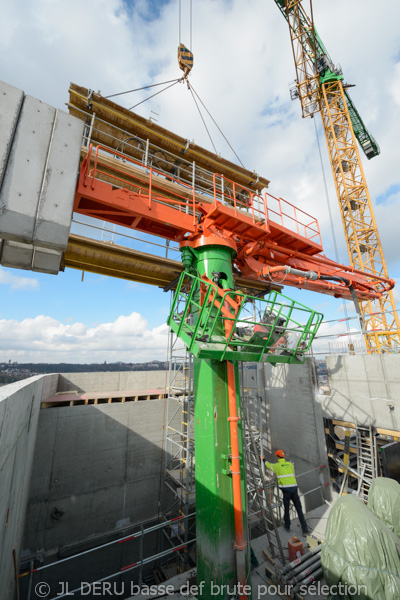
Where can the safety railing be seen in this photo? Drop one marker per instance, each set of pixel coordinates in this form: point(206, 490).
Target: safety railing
point(214, 323)
point(143, 181)
point(289, 216)
point(149, 154)
point(241, 199)
point(141, 561)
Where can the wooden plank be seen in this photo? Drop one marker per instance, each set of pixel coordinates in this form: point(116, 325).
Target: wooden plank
point(122, 124)
point(340, 446)
point(346, 458)
point(268, 556)
point(100, 257)
point(390, 432)
point(344, 424)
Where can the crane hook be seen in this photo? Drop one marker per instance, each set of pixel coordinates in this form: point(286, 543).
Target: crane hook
point(185, 60)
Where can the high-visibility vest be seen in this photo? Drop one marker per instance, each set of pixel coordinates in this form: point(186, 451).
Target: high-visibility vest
point(284, 472)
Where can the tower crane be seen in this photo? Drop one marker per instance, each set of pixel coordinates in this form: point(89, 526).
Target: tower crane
point(320, 87)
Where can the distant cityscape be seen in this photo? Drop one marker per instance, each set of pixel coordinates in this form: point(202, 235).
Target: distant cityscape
point(14, 371)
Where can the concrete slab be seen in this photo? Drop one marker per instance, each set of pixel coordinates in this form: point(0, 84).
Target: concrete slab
point(22, 183)
point(65, 523)
point(394, 391)
point(35, 529)
point(43, 457)
point(385, 413)
point(57, 195)
point(139, 506)
point(11, 99)
point(46, 260)
point(6, 473)
point(378, 389)
point(17, 255)
point(84, 475)
point(357, 369)
point(85, 430)
point(390, 363)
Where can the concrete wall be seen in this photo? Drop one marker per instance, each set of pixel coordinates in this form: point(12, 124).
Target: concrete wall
point(19, 413)
point(96, 469)
point(294, 423)
point(364, 389)
point(97, 472)
point(113, 381)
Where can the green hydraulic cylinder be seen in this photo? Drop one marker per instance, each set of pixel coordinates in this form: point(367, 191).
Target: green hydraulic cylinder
point(222, 570)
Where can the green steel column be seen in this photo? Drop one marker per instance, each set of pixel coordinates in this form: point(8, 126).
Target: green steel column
point(215, 529)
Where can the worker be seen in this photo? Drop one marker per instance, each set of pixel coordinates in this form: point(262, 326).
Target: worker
point(284, 472)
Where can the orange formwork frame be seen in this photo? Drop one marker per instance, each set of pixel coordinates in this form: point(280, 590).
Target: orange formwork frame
point(122, 190)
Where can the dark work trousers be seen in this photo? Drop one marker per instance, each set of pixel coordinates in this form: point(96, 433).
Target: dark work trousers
point(291, 494)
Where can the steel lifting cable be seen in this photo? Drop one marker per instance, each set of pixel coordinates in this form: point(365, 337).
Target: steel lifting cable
point(156, 94)
point(146, 87)
point(331, 221)
point(190, 23)
point(216, 124)
point(202, 118)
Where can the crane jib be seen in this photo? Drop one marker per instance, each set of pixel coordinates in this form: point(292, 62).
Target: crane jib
point(328, 72)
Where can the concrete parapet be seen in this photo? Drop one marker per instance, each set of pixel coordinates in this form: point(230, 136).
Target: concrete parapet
point(19, 413)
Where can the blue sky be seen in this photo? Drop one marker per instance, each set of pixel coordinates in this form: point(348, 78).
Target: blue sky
point(243, 63)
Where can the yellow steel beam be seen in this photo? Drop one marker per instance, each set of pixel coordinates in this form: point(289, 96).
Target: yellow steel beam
point(107, 258)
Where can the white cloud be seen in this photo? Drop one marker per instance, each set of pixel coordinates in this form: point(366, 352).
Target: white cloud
point(16, 281)
point(335, 337)
point(44, 339)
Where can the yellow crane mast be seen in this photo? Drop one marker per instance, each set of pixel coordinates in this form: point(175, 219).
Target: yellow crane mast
point(319, 86)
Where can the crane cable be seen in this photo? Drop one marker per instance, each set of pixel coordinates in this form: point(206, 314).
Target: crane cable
point(190, 23)
point(146, 87)
point(215, 123)
point(193, 92)
point(331, 223)
point(156, 94)
point(202, 118)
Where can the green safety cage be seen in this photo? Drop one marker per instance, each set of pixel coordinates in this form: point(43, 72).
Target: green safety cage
point(229, 325)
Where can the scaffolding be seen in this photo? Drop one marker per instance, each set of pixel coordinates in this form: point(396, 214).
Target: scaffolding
point(178, 488)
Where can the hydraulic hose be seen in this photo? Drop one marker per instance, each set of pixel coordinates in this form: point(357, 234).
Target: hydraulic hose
point(353, 295)
point(316, 575)
point(313, 276)
point(306, 572)
point(305, 564)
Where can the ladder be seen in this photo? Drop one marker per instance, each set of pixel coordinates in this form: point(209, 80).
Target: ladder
point(178, 471)
point(366, 458)
point(260, 495)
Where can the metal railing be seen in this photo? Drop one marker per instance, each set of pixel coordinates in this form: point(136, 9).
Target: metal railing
point(241, 199)
point(291, 217)
point(136, 565)
point(143, 181)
